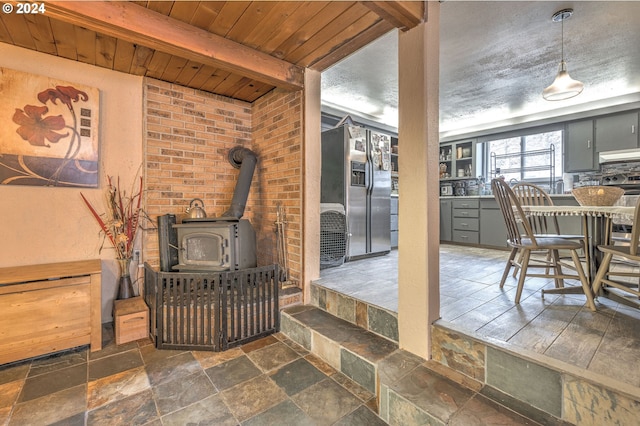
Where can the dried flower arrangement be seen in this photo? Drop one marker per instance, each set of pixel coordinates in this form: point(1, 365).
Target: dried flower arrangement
point(121, 221)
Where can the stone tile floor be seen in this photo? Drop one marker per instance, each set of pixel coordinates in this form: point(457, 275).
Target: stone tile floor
point(275, 381)
point(558, 326)
point(272, 381)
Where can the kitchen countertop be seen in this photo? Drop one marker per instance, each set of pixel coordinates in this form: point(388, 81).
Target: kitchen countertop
point(491, 196)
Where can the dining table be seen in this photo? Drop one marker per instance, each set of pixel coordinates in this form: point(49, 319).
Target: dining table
point(597, 224)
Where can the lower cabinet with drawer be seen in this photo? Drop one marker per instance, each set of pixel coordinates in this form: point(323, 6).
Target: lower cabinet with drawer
point(466, 222)
point(394, 222)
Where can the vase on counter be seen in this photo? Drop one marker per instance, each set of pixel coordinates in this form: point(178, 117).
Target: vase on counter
point(125, 286)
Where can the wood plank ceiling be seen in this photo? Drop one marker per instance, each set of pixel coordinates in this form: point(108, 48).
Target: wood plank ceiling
point(239, 49)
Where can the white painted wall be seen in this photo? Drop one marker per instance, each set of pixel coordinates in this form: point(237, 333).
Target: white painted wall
point(44, 225)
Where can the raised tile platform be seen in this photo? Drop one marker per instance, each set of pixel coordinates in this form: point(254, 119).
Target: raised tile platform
point(540, 388)
point(533, 384)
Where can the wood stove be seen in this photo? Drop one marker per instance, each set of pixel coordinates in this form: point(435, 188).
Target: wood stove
point(213, 245)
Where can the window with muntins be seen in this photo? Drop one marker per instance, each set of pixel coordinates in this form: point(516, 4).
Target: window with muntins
point(518, 160)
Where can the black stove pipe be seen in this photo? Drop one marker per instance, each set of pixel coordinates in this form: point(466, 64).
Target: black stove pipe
point(245, 160)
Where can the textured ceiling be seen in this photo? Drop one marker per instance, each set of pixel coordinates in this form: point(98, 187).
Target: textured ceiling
point(495, 59)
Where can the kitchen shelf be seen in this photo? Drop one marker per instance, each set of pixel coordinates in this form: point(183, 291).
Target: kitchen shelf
point(394, 166)
point(544, 159)
point(455, 156)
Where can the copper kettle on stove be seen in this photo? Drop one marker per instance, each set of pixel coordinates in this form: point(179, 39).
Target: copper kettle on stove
point(196, 211)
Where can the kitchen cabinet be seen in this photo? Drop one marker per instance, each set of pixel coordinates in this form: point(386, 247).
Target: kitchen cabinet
point(579, 147)
point(585, 139)
point(618, 131)
point(445, 220)
point(457, 160)
point(568, 224)
point(479, 221)
point(466, 220)
point(394, 222)
point(493, 231)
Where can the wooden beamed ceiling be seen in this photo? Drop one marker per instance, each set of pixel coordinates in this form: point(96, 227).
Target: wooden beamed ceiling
point(238, 49)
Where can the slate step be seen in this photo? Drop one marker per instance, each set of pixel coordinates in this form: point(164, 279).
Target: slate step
point(346, 347)
point(409, 390)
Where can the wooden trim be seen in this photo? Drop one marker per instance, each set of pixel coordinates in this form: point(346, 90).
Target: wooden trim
point(142, 26)
point(401, 14)
point(22, 274)
point(43, 285)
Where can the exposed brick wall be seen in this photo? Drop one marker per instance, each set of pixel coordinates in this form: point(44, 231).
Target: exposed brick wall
point(277, 137)
point(188, 135)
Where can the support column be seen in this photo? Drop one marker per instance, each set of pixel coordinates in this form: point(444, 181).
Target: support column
point(311, 181)
point(419, 204)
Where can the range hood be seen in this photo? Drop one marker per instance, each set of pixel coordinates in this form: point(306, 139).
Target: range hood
point(619, 155)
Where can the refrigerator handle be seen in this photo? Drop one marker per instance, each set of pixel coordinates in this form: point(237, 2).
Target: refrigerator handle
point(369, 167)
point(368, 176)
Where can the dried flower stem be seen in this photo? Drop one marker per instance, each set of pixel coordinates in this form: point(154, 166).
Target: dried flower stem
point(123, 219)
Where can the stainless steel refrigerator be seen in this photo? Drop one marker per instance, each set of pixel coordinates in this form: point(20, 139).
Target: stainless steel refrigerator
point(356, 172)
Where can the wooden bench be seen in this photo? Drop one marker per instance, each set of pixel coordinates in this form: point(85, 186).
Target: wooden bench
point(49, 307)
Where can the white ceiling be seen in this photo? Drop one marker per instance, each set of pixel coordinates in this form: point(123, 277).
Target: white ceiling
point(495, 60)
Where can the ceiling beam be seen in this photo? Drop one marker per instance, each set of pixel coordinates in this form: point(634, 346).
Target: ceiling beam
point(403, 15)
point(372, 33)
point(145, 27)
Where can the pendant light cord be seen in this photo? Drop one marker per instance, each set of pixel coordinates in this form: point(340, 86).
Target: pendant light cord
point(562, 39)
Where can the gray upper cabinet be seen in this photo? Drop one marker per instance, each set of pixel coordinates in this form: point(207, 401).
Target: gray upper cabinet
point(579, 147)
point(585, 139)
point(618, 131)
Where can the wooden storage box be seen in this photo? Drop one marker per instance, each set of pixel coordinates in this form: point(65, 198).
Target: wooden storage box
point(48, 308)
point(131, 320)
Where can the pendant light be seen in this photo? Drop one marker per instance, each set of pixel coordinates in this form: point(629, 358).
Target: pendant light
point(563, 87)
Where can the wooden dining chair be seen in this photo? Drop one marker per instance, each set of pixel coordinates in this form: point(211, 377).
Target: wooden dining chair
point(530, 194)
point(626, 253)
point(521, 238)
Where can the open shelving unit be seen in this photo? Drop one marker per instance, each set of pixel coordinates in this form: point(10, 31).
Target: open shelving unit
point(543, 160)
point(394, 165)
point(458, 159)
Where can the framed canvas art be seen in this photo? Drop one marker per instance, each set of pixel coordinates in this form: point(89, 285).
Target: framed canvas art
point(48, 131)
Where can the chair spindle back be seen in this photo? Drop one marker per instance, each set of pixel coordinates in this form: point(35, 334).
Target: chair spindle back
point(512, 212)
point(530, 194)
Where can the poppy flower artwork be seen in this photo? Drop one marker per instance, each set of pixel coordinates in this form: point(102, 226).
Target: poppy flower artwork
point(49, 131)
